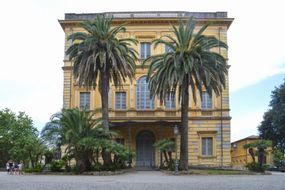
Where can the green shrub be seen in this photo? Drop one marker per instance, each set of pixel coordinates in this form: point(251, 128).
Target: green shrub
point(97, 167)
point(278, 156)
point(255, 167)
point(75, 169)
point(57, 166)
point(36, 169)
point(109, 167)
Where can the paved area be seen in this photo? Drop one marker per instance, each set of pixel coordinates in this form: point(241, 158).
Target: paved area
point(143, 180)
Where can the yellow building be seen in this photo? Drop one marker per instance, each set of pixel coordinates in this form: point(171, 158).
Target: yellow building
point(142, 121)
point(240, 155)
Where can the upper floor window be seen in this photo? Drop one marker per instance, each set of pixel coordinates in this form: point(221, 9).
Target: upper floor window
point(144, 101)
point(168, 49)
point(207, 146)
point(120, 100)
point(170, 100)
point(145, 50)
point(206, 101)
point(85, 100)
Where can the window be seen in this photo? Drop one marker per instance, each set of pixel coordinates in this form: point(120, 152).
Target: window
point(120, 100)
point(206, 101)
point(170, 100)
point(85, 100)
point(144, 101)
point(207, 146)
point(145, 50)
point(168, 49)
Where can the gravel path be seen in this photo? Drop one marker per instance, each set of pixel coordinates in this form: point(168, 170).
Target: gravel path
point(143, 180)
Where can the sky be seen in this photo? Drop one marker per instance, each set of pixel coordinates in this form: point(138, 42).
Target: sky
point(32, 50)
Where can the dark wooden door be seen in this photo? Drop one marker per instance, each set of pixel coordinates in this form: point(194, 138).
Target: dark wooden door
point(144, 149)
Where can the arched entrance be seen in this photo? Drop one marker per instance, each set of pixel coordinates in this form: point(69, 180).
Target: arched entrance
point(144, 149)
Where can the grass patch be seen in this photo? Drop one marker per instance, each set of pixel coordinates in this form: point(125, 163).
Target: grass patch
point(215, 171)
point(218, 172)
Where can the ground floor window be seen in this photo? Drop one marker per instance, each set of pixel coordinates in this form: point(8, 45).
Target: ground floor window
point(207, 146)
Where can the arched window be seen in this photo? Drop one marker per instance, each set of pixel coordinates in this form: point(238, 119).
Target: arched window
point(144, 102)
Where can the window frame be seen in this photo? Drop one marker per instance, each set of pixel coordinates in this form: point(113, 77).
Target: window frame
point(143, 95)
point(206, 101)
point(83, 98)
point(209, 134)
point(208, 147)
point(122, 100)
point(170, 101)
point(144, 52)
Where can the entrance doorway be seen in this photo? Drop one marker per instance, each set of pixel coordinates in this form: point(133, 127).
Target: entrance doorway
point(144, 149)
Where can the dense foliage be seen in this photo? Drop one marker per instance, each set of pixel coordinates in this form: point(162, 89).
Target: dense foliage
point(19, 139)
point(273, 125)
point(189, 63)
point(167, 147)
point(84, 139)
point(259, 149)
point(278, 156)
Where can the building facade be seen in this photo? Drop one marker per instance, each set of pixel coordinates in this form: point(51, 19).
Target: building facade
point(241, 156)
point(142, 121)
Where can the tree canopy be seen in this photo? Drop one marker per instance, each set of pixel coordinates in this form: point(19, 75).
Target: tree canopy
point(19, 138)
point(273, 125)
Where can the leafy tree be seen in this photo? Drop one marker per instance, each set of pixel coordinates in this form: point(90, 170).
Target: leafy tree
point(260, 152)
point(278, 156)
point(19, 138)
point(273, 125)
point(98, 55)
point(188, 64)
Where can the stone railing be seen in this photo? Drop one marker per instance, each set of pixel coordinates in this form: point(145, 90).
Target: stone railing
point(126, 15)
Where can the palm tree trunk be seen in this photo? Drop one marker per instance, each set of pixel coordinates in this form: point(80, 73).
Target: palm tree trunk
point(106, 156)
point(252, 154)
point(184, 127)
point(105, 114)
point(165, 156)
point(104, 99)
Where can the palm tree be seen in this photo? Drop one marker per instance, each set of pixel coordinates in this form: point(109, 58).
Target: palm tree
point(188, 63)
point(76, 129)
point(100, 57)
